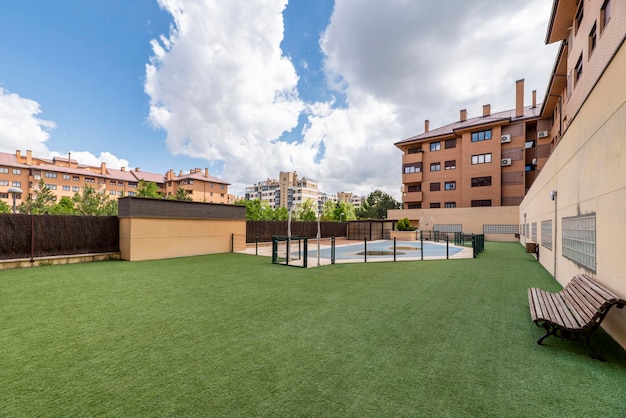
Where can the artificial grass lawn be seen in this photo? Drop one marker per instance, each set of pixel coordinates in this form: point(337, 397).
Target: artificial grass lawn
point(234, 335)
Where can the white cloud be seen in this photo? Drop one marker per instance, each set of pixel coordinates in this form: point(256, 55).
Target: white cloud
point(86, 157)
point(221, 89)
point(20, 126)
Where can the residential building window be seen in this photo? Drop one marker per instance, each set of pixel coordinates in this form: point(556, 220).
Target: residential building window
point(546, 234)
point(222, 186)
point(481, 181)
point(449, 205)
point(75, 189)
point(450, 185)
point(592, 41)
point(529, 144)
point(481, 203)
point(605, 14)
point(4, 170)
point(113, 192)
point(4, 195)
point(435, 187)
point(119, 183)
point(414, 205)
point(17, 171)
point(578, 70)
point(50, 175)
point(410, 168)
point(435, 166)
point(500, 229)
point(221, 194)
point(481, 136)
point(132, 184)
point(17, 184)
point(435, 205)
point(450, 165)
point(113, 182)
point(579, 18)
point(414, 188)
point(51, 186)
point(66, 176)
point(450, 143)
point(414, 150)
point(89, 180)
point(481, 158)
point(579, 240)
point(131, 193)
point(66, 188)
point(75, 178)
point(435, 146)
point(4, 182)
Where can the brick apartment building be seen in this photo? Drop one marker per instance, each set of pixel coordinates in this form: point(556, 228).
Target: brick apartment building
point(66, 176)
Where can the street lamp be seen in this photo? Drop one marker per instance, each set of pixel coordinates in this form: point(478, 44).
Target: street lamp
point(15, 191)
point(341, 215)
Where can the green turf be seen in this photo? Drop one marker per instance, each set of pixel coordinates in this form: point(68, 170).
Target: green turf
point(234, 335)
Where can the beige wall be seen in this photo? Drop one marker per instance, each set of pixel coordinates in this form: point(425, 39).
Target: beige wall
point(588, 171)
point(156, 238)
point(472, 219)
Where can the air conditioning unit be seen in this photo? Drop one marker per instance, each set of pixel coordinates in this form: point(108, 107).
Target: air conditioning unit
point(505, 162)
point(505, 138)
point(542, 134)
point(534, 161)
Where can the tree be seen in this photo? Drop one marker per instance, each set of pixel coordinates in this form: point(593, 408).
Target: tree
point(42, 203)
point(307, 211)
point(64, 207)
point(148, 189)
point(4, 207)
point(180, 195)
point(376, 205)
point(345, 208)
point(93, 202)
point(328, 211)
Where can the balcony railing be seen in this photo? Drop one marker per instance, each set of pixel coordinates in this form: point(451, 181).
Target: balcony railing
point(412, 178)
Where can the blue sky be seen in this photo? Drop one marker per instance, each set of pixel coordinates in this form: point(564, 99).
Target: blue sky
point(249, 88)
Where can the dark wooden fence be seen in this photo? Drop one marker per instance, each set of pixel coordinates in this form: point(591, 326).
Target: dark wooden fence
point(30, 236)
point(370, 229)
point(265, 230)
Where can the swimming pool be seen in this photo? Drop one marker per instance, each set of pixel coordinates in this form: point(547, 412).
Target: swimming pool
point(384, 250)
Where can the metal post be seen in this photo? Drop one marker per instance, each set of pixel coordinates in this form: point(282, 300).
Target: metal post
point(394, 248)
point(422, 248)
point(256, 241)
point(447, 248)
point(332, 250)
point(365, 252)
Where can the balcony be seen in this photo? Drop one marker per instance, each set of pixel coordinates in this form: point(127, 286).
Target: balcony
point(412, 178)
point(408, 197)
point(412, 158)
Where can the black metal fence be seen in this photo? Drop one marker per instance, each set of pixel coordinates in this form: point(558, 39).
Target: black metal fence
point(30, 236)
point(263, 231)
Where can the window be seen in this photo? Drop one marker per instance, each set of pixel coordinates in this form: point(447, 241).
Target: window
point(579, 240)
point(66, 176)
point(51, 186)
point(449, 205)
point(75, 189)
point(481, 181)
point(435, 166)
point(90, 180)
point(132, 184)
point(592, 41)
point(435, 205)
point(75, 178)
point(578, 70)
point(450, 185)
point(50, 175)
point(481, 136)
point(435, 146)
point(450, 165)
point(406, 168)
point(414, 188)
point(450, 143)
point(4, 170)
point(119, 183)
point(480, 203)
point(579, 18)
point(113, 192)
point(481, 158)
point(17, 184)
point(414, 205)
point(66, 188)
point(221, 186)
point(529, 144)
point(4, 195)
point(546, 234)
point(221, 194)
point(414, 150)
point(131, 193)
point(435, 187)
point(4, 182)
point(17, 171)
point(113, 182)
point(500, 229)
point(605, 14)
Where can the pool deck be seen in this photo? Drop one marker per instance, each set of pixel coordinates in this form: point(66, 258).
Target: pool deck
point(265, 249)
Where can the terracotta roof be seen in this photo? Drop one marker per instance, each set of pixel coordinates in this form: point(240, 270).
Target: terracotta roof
point(145, 176)
point(198, 175)
point(120, 175)
point(505, 116)
point(10, 160)
point(69, 170)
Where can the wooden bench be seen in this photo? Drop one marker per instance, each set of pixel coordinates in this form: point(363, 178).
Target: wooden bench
point(573, 313)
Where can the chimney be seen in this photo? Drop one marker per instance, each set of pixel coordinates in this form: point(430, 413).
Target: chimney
point(426, 125)
point(123, 169)
point(103, 168)
point(18, 155)
point(519, 98)
point(29, 157)
point(486, 110)
point(180, 173)
point(137, 169)
point(206, 172)
point(534, 98)
point(463, 115)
